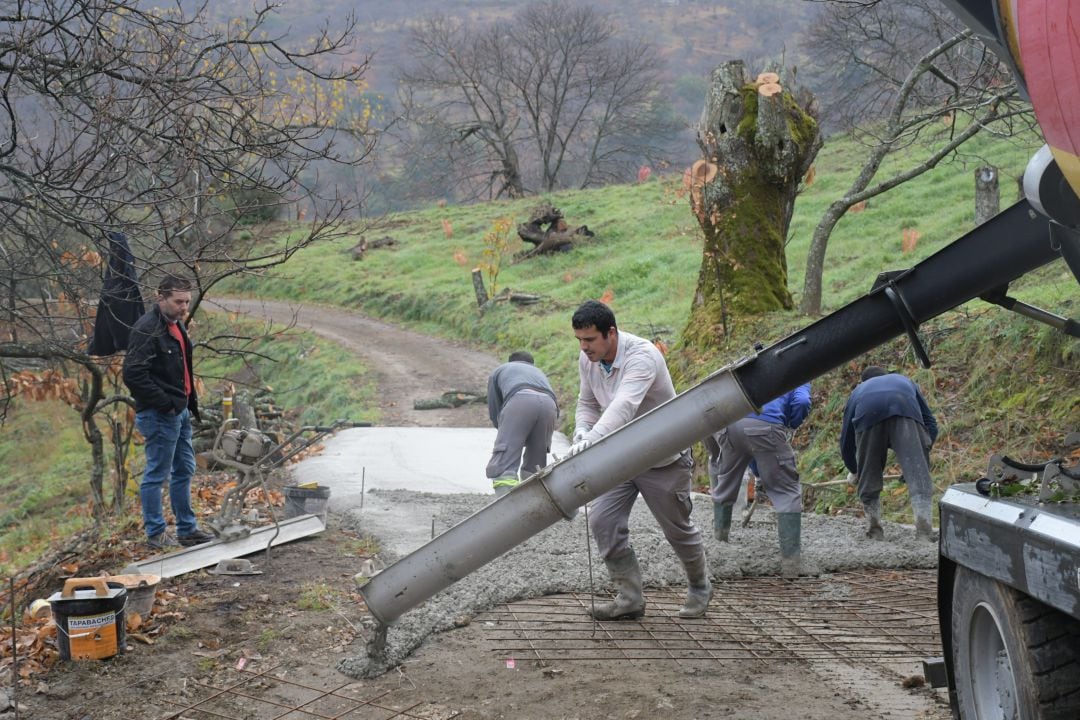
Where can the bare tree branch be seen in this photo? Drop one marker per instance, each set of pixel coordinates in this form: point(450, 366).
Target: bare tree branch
point(923, 78)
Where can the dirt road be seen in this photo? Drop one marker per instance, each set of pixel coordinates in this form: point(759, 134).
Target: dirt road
point(408, 366)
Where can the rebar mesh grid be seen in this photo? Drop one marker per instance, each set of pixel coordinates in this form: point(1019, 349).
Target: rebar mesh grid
point(869, 616)
point(269, 695)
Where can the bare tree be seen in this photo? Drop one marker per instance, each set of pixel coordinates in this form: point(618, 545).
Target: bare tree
point(552, 98)
point(904, 75)
point(468, 107)
point(156, 123)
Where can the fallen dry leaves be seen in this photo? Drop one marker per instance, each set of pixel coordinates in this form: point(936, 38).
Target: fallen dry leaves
point(35, 643)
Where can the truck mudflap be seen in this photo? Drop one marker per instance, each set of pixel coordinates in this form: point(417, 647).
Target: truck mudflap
point(1024, 546)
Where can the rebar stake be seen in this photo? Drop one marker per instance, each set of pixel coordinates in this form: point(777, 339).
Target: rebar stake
point(14, 654)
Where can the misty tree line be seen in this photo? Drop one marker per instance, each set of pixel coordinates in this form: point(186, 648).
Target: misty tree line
point(183, 133)
point(552, 98)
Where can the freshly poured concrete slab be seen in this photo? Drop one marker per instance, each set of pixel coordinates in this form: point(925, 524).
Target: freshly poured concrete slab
point(435, 460)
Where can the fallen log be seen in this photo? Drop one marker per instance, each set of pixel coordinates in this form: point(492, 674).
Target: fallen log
point(364, 245)
point(449, 400)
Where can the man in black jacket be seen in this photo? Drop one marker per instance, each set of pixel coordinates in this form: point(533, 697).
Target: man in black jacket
point(158, 372)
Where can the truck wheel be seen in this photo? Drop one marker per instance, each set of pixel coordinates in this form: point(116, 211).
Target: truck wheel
point(1014, 657)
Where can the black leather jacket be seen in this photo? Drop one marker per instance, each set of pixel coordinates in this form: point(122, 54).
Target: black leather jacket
point(153, 369)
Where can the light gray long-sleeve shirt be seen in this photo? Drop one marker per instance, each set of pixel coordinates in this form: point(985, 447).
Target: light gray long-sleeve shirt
point(638, 382)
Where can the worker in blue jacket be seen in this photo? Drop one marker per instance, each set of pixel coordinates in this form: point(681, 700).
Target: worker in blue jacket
point(764, 438)
point(887, 410)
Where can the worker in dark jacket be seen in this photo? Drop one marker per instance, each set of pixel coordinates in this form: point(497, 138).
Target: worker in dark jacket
point(158, 373)
point(763, 438)
point(521, 404)
point(887, 410)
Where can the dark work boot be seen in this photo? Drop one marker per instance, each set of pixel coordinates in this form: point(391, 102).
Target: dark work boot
point(699, 590)
point(629, 602)
point(789, 527)
point(721, 523)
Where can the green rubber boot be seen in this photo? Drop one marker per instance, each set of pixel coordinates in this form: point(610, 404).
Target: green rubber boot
point(789, 526)
point(721, 521)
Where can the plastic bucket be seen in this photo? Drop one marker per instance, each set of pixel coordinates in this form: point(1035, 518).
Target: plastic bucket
point(89, 615)
point(140, 592)
point(302, 501)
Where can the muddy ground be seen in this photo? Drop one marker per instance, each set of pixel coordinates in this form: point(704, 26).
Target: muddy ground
point(301, 623)
point(273, 645)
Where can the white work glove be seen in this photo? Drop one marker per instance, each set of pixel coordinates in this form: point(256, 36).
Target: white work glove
point(577, 447)
point(579, 435)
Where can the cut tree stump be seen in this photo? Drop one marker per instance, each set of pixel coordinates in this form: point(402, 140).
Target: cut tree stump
point(478, 287)
point(555, 237)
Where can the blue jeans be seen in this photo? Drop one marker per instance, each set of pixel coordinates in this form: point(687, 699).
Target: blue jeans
point(169, 456)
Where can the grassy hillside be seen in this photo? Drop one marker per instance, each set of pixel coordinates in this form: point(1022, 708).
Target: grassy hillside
point(645, 258)
point(998, 383)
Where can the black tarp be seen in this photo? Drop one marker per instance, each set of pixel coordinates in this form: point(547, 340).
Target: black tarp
point(121, 302)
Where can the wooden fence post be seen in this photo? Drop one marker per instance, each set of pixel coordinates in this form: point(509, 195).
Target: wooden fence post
point(987, 196)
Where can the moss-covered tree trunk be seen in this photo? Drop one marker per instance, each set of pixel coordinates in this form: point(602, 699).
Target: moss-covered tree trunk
point(757, 141)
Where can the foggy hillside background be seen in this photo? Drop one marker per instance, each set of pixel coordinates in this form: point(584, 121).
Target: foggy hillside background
point(691, 38)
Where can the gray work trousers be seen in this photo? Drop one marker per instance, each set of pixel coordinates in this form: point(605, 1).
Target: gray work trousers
point(911, 444)
point(667, 493)
point(526, 422)
point(768, 444)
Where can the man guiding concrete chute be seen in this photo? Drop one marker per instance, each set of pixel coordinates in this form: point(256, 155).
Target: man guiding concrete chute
point(623, 377)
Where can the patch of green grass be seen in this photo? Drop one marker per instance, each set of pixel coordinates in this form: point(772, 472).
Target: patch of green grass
point(180, 632)
point(363, 546)
point(45, 484)
point(316, 596)
point(267, 638)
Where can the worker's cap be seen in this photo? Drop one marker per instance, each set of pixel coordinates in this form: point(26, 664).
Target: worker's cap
point(873, 371)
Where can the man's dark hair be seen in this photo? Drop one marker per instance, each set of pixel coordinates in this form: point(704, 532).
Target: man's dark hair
point(873, 371)
point(521, 356)
point(593, 313)
point(172, 283)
